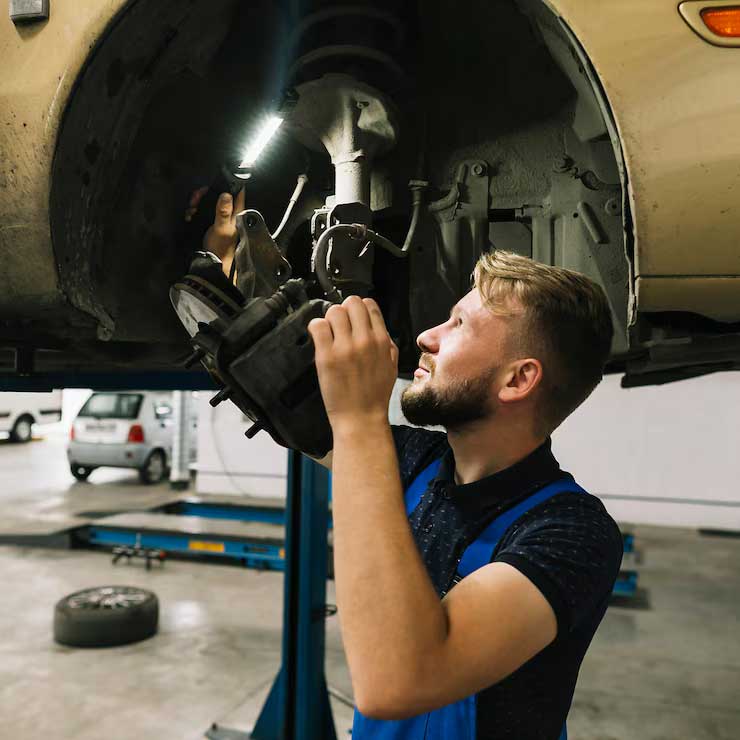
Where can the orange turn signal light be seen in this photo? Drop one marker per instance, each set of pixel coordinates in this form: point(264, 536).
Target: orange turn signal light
point(723, 21)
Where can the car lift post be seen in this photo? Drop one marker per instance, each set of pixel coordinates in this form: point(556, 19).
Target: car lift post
point(181, 421)
point(297, 707)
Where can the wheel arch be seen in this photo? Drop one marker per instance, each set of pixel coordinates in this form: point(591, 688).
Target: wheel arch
point(680, 135)
point(24, 415)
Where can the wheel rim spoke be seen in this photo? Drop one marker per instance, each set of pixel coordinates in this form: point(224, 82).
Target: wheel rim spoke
point(156, 466)
point(107, 598)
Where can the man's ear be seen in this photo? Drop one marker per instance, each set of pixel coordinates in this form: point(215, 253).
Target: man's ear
point(521, 380)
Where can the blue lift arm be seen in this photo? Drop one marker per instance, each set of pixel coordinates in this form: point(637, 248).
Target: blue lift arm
point(297, 707)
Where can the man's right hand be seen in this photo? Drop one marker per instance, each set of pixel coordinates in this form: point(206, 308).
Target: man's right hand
point(222, 236)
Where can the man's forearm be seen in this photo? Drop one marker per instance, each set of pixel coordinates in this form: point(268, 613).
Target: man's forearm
point(391, 617)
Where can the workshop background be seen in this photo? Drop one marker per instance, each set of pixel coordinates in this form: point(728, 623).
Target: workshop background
point(665, 662)
point(167, 576)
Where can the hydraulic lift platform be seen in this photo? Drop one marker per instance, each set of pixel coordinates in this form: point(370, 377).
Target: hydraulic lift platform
point(247, 530)
point(255, 544)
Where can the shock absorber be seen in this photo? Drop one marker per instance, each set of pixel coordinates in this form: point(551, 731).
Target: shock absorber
point(348, 64)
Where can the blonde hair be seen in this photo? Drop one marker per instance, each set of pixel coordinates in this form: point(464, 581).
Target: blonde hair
point(564, 322)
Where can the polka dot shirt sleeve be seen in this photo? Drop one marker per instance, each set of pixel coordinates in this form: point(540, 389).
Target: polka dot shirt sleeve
point(571, 549)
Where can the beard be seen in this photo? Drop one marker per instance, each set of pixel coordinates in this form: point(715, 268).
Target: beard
point(460, 403)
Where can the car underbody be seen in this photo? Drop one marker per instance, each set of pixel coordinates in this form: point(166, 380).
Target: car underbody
point(496, 110)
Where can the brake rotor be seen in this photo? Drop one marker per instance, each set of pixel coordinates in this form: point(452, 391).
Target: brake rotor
point(197, 301)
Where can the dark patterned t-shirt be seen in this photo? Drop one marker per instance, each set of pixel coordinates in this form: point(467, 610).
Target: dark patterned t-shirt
point(568, 546)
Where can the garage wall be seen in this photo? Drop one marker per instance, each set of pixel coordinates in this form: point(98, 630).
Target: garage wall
point(72, 401)
point(665, 455)
point(228, 462)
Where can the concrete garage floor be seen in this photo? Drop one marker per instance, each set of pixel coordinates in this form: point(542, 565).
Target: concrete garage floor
point(668, 672)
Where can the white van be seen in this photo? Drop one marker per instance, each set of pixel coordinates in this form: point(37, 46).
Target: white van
point(20, 411)
point(124, 429)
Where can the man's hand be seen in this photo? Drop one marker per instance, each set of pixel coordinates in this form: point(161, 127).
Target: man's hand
point(356, 360)
point(222, 236)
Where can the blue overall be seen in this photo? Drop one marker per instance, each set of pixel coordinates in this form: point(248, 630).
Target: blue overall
point(456, 721)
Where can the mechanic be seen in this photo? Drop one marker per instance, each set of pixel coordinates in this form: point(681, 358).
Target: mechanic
point(468, 615)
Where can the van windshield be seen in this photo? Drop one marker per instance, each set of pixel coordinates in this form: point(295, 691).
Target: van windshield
point(112, 406)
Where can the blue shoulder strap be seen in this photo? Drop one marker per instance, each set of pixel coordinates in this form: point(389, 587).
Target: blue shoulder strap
point(480, 552)
point(456, 720)
point(416, 490)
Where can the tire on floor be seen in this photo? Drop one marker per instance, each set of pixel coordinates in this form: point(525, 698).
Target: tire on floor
point(105, 616)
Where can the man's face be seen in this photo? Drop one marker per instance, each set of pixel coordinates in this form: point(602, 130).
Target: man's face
point(460, 369)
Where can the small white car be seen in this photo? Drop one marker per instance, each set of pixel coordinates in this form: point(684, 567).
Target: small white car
point(123, 429)
point(19, 412)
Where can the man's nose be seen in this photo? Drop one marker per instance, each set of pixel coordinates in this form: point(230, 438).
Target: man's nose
point(428, 341)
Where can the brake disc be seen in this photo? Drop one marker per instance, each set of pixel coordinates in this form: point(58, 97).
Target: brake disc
point(197, 301)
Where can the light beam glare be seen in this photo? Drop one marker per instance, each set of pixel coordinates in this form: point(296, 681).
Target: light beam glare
point(260, 141)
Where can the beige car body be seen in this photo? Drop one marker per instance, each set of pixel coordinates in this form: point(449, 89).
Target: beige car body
point(45, 60)
point(670, 94)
